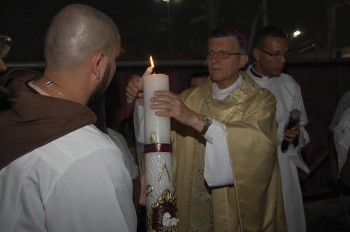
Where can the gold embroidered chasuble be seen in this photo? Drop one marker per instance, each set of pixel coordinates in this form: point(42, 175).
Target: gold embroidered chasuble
point(254, 202)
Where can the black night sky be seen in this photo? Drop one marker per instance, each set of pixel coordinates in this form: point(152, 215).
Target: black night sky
point(175, 31)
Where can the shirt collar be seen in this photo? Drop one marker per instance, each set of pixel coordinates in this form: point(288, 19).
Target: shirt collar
point(257, 74)
point(220, 94)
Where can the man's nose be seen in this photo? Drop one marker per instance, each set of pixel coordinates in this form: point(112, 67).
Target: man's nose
point(215, 58)
point(283, 57)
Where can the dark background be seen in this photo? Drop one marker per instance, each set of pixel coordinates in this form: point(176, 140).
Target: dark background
point(178, 29)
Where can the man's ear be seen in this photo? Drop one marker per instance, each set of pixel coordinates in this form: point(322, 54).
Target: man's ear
point(243, 61)
point(256, 53)
point(97, 64)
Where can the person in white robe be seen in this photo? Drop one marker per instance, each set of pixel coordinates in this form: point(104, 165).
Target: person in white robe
point(342, 138)
point(58, 171)
point(337, 153)
point(342, 144)
point(343, 104)
point(270, 48)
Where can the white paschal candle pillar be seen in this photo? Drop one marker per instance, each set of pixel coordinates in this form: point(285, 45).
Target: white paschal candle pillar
point(158, 161)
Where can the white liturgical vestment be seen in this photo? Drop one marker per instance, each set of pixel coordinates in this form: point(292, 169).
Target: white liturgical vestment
point(342, 138)
point(76, 183)
point(288, 96)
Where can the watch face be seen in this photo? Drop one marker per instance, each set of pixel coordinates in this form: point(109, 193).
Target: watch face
point(207, 120)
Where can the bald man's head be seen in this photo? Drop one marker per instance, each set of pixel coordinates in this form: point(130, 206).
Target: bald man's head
point(76, 32)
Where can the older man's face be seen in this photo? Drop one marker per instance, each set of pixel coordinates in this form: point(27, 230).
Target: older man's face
point(225, 71)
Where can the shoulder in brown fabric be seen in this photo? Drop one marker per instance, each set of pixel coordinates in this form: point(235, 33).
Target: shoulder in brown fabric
point(33, 120)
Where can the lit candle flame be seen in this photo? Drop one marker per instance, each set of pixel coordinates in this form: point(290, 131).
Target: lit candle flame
point(151, 60)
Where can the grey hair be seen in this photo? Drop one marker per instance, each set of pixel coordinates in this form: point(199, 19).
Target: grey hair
point(241, 40)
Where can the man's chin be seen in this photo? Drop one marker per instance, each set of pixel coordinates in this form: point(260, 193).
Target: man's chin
point(215, 77)
point(276, 74)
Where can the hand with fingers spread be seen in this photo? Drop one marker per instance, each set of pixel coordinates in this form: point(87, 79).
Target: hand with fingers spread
point(170, 105)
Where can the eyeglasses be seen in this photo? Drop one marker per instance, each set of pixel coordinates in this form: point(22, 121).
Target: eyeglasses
point(222, 54)
point(275, 55)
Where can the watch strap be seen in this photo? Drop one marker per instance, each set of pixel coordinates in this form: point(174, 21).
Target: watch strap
point(207, 122)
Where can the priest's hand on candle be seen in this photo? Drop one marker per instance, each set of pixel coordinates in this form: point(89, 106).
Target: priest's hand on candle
point(170, 105)
point(132, 90)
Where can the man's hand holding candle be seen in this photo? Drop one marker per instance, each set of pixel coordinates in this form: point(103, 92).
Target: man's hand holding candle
point(132, 90)
point(169, 104)
point(139, 82)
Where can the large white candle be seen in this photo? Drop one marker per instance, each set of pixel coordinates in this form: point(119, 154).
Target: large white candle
point(158, 160)
point(157, 129)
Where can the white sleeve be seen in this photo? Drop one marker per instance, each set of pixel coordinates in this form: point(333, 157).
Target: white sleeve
point(139, 126)
point(294, 152)
point(303, 139)
point(121, 143)
point(217, 168)
point(342, 138)
point(94, 194)
point(298, 103)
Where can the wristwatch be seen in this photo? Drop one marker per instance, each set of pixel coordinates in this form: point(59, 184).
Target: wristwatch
point(207, 122)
